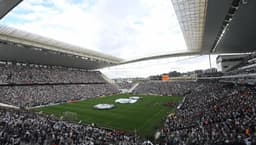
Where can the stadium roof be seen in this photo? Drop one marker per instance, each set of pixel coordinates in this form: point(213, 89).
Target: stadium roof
point(7, 5)
point(20, 46)
point(230, 29)
point(214, 27)
point(217, 26)
point(177, 54)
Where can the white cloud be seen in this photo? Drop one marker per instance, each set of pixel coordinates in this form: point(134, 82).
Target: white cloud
point(136, 33)
point(62, 20)
point(126, 29)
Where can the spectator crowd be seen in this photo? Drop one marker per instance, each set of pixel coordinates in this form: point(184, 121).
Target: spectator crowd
point(166, 88)
point(210, 113)
point(28, 86)
point(125, 85)
point(29, 96)
point(27, 128)
point(18, 74)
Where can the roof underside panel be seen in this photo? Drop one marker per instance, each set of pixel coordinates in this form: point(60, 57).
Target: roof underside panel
point(229, 26)
point(7, 5)
point(191, 17)
point(20, 46)
point(241, 34)
point(26, 38)
point(216, 12)
point(19, 53)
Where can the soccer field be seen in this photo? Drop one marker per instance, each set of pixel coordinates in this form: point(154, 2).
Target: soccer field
point(144, 116)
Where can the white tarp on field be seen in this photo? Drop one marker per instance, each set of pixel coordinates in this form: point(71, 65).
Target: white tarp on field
point(125, 100)
point(103, 106)
point(129, 100)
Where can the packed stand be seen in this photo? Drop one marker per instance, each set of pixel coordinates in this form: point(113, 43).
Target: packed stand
point(210, 114)
point(27, 128)
point(125, 85)
point(19, 74)
point(32, 85)
point(29, 96)
point(166, 88)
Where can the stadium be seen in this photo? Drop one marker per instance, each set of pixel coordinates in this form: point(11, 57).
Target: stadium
point(57, 92)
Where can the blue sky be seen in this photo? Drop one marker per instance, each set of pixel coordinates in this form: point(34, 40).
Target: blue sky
point(123, 28)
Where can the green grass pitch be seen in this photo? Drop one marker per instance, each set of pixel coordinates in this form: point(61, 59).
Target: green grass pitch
point(144, 116)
